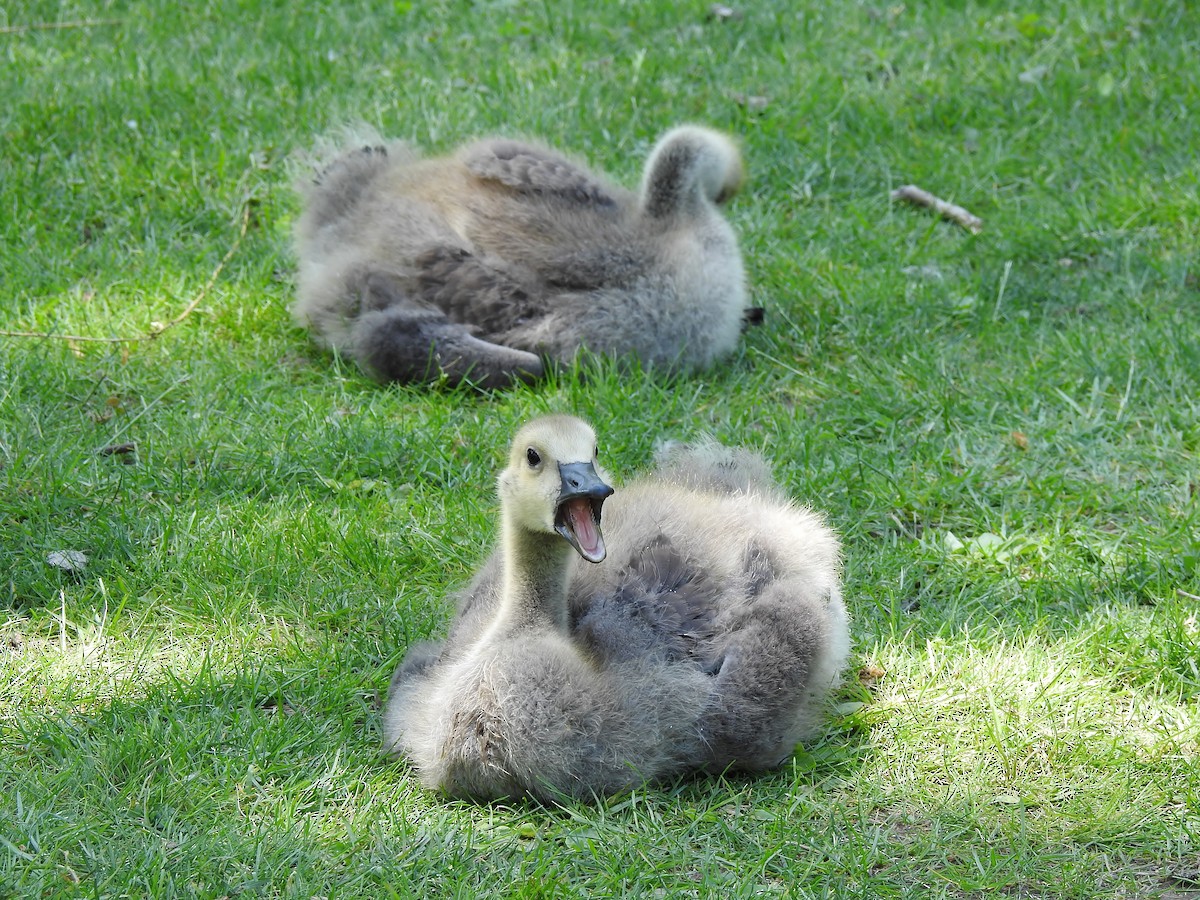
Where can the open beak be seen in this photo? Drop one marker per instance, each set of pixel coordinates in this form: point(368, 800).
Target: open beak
point(577, 514)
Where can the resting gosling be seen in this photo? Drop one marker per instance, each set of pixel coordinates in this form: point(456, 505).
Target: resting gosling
point(486, 263)
point(708, 640)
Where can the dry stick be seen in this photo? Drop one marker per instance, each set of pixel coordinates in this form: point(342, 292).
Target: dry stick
point(54, 26)
point(919, 197)
point(157, 329)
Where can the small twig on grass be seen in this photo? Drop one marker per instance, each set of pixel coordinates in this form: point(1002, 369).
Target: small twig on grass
point(1185, 595)
point(156, 328)
point(920, 197)
point(56, 26)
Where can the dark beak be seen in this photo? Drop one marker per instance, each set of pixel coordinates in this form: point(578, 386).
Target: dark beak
point(577, 516)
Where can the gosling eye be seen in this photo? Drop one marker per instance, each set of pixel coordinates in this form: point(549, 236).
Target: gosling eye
point(532, 457)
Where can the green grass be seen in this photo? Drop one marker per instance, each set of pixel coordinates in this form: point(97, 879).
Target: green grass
point(1003, 427)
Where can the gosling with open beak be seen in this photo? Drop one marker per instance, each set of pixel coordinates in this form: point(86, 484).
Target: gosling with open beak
point(577, 514)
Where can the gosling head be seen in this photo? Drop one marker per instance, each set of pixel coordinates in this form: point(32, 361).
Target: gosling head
point(552, 485)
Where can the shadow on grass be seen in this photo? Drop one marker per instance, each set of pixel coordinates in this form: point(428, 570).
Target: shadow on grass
point(243, 783)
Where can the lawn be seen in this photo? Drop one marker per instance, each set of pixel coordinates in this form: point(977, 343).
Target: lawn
point(1003, 427)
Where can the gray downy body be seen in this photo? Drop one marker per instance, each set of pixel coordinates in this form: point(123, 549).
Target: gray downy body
point(708, 639)
point(488, 263)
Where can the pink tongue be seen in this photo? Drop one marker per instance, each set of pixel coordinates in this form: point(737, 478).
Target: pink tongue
point(579, 515)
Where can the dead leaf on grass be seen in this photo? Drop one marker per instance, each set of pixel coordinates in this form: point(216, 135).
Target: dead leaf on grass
point(871, 674)
point(752, 102)
point(126, 451)
point(67, 560)
point(723, 13)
